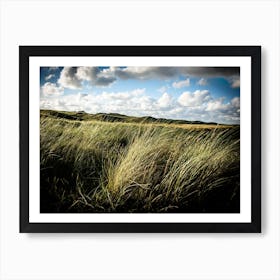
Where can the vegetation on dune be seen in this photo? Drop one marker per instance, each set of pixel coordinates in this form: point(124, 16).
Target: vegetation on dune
point(91, 165)
point(114, 117)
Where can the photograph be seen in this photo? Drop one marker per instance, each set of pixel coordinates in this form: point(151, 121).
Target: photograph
point(139, 139)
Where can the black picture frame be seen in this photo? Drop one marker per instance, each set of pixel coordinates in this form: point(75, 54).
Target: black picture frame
point(254, 52)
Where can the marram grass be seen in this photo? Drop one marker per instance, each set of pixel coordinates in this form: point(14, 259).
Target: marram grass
point(99, 166)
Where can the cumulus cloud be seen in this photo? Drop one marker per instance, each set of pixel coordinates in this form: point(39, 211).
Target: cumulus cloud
point(69, 102)
point(51, 89)
point(193, 99)
point(181, 84)
point(87, 73)
point(95, 76)
point(165, 101)
point(72, 77)
point(224, 112)
point(197, 105)
point(69, 79)
point(202, 82)
point(217, 105)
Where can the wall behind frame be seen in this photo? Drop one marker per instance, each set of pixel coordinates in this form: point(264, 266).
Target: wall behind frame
point(135, 256)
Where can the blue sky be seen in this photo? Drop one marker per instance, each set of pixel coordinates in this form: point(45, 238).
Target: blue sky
point(210, 94)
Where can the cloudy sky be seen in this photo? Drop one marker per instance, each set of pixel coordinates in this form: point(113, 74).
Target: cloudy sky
point(210, 94)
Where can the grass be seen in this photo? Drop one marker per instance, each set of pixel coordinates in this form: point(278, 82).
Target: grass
point(112, 166)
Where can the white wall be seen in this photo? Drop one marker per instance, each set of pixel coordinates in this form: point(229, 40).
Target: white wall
point(146, 256)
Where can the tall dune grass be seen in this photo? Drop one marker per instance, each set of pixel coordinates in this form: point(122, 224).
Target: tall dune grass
point(92, 166)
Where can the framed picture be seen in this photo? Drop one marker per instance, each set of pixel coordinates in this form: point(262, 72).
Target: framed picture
point(140, 138)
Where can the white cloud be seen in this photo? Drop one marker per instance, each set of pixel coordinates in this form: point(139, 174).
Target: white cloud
point(198, 105)
point(123, 95)
point(224, 112)
point(68, 78)
point(202, 82)
point(49, 77)
point(193, 99)
point(87, 73)
point(176, 112)
point(217, 105)
point(51, 89)
point(104, 102)
point(180, 84)
point(143, 105)
point(165, 101)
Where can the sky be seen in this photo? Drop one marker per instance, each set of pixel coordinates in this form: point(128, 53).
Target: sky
point(209, 94)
